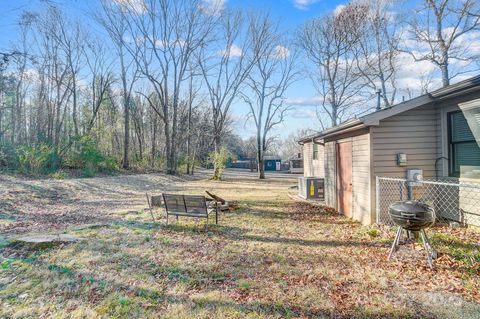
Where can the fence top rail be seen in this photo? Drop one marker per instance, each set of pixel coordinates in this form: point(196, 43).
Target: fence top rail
point(395, 179)
point(434, 182)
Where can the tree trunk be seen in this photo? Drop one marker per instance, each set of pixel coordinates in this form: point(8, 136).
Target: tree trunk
point(126, 163)
point(445, 75)
point(261, 167)
point(154, 141)
point(193, 160)
point(189, 138)
point(74, 91)
point(260, 157)
point(216, 169)
point(126, 105)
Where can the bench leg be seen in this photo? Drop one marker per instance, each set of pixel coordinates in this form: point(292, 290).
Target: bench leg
point(216, 216)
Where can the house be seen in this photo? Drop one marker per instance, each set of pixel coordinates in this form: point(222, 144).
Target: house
point(296, 164)
point(438, 133)
point(246, 163)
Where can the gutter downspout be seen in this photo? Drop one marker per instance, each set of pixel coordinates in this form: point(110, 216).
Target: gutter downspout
point(311, 159)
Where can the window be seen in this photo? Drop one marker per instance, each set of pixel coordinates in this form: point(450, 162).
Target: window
point(463, 148)
point(315, 151)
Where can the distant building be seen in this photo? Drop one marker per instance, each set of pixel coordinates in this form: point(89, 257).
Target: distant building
point(272, 163)
point(296, 164)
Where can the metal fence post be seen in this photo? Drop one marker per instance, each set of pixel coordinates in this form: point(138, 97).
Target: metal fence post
point(377, 199)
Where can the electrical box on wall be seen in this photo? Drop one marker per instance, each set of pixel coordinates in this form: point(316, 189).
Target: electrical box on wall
point(414, 177)
point(401, 159)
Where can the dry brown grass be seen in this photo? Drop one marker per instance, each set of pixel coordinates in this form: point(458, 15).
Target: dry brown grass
point(271, 258)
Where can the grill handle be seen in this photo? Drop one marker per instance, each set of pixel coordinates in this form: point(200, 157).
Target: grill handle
point(404, 214)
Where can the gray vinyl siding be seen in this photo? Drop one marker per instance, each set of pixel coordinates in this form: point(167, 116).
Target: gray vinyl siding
point(313, 167)
point(414, 133)
point(361, 180)
point(330, 175)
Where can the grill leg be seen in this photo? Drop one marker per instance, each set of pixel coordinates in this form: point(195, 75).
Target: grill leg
point(396, 241)
point(427, 247)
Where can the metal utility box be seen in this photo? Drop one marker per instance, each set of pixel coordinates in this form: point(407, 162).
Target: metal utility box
point(401, 159)
point(311, 188)
point(414, 177)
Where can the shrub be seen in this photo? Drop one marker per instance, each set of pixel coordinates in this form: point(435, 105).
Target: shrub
point(109, 164)
point(8, 156)
point(89, 158)
point(373, 232)
point(38, 159)
point(59, 175)
point(219, 160)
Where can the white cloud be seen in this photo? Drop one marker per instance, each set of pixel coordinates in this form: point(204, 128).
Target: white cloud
point(213, 7)
point(281, 52)
point(137, 6)
point(407, 67)
point(303, 4)
point(338, 9)
point(163, 44)
point(232, 51)
point(305, 101)
point(304, 113)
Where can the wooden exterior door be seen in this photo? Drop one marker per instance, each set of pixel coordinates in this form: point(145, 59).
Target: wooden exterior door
point(344, 178)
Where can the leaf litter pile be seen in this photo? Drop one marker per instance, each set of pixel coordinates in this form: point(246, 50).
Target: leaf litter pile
point(271, 258)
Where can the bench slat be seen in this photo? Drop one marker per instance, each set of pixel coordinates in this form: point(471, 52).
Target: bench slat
point(187, 205)
point(187, 214)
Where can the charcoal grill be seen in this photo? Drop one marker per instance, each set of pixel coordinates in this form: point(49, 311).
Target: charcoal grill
point(410, 216)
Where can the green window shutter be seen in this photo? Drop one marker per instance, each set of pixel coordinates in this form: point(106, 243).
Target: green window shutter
point(465, 149)
point(460, 130)
point(466, 154)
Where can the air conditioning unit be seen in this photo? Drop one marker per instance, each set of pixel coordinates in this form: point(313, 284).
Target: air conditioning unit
point(311, 188)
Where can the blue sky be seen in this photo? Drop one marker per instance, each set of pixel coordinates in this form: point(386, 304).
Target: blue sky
point(291, 14)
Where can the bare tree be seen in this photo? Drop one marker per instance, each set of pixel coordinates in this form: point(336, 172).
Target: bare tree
point(166, 36)
point(54, 68)
point(289, 145)
point(377, 49)
point(192, 103)
point(225, 67)
point(70, 39)
point(102, 77)
point(267, 83)
point(437, 27)
point(114, 20)
point(328, 43)
point(18, 120)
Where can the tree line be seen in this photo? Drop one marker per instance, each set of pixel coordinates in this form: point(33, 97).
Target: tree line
point(151, 84)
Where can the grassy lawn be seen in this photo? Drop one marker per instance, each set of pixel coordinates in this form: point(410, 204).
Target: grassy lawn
point(271, 258)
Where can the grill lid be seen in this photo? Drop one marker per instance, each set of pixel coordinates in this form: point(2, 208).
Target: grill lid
point(409, 206)
point(412, 215)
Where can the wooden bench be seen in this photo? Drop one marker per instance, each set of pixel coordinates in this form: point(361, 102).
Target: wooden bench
point(188, 206)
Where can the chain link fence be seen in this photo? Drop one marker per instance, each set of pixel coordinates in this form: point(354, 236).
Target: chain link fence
point(451, 200)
